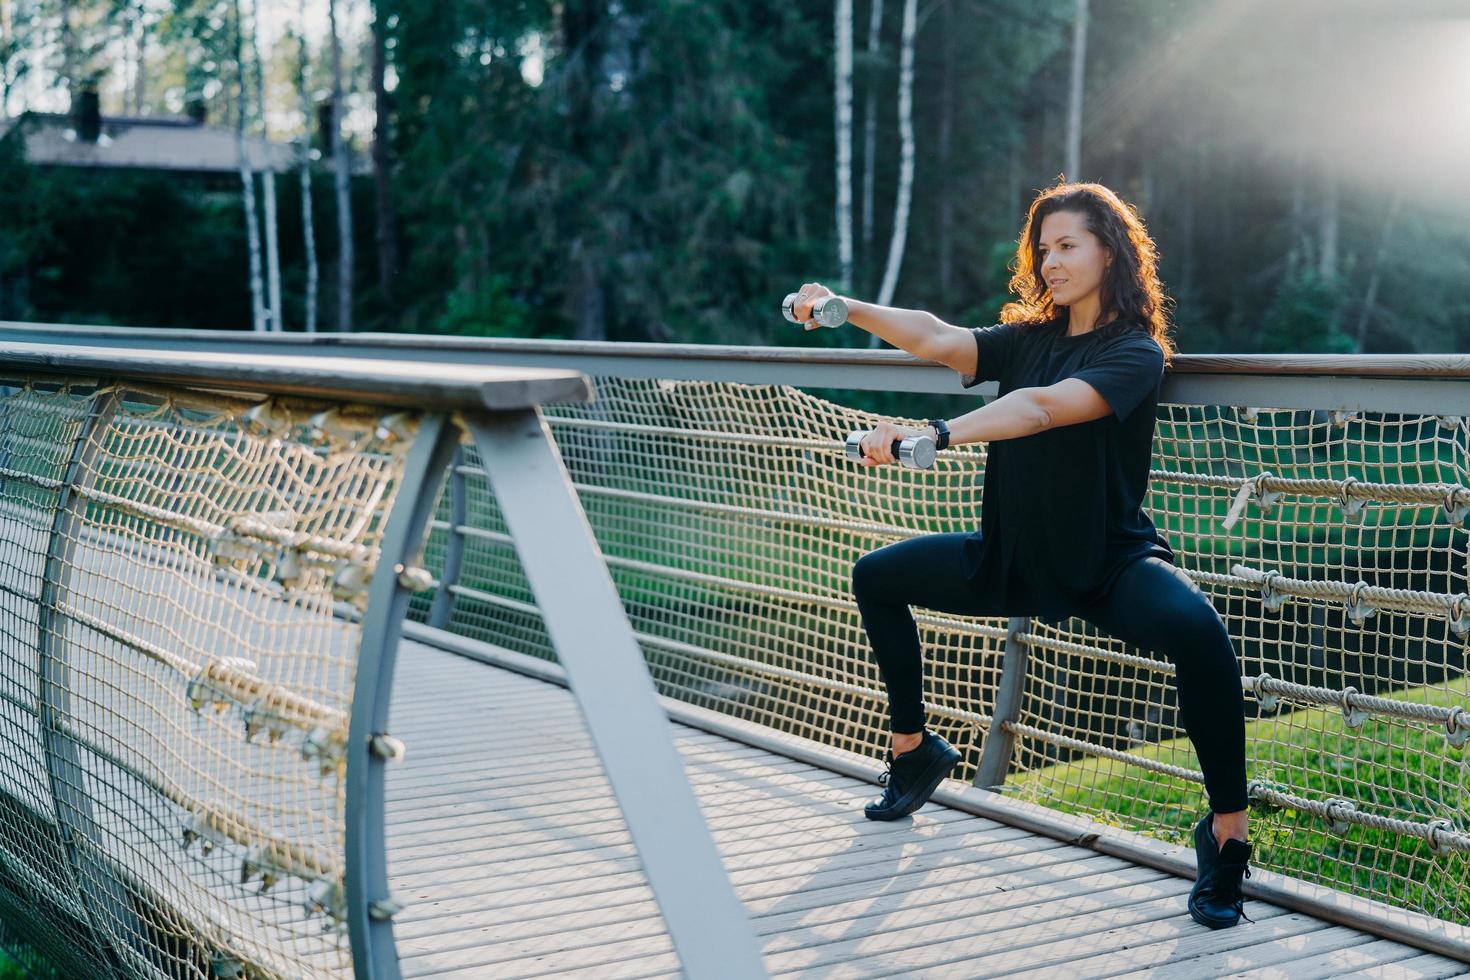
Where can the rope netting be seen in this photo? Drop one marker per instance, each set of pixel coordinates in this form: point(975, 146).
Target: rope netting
point(1333, 545)
point(175, 689)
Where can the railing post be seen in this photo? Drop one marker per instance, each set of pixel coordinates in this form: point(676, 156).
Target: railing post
point(94, 881)
point(995, 757)
point(604, 665)
point(370, 907)
point(443, 606)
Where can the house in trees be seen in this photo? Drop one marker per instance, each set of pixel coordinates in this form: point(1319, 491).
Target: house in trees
point(187, 145)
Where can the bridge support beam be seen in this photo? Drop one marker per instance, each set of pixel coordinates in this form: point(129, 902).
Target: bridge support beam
point(102, 895)
point(1000, 743)
point(609, 677)
point(443, 606)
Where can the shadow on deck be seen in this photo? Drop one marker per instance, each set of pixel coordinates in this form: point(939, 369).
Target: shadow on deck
point(506, 843)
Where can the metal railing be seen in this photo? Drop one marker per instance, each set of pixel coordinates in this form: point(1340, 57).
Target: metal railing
point(1319, 501)
point(205, 569)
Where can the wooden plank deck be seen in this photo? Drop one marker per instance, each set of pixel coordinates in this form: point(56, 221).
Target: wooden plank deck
point(507, 846)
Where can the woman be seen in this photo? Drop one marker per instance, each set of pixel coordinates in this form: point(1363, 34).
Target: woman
point(1080, 358)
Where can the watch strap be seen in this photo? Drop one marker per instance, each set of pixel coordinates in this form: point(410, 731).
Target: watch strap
point(943, 429)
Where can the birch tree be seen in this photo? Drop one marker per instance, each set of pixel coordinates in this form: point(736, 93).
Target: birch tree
point(383, 161)
point(870, 130)
point(1327, 229)
point(843, 100)
point(343, 176)
point(906, 161)
point(139, 29)
point(69, 56)
point(18, 43)
point(308, 231)
point(1327, 262)
point(267, 180)
point(272, 246)
point(1074, 103)
point(247, 181)
point(1370, 298)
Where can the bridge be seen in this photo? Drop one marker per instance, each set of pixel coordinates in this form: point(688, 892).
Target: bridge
point(396, 656)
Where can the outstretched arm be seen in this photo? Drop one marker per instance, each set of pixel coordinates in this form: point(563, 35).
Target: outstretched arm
point(914, 331)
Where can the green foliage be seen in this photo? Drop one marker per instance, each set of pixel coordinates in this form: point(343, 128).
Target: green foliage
point(10, 969)
point(999, 259)
point(24, 228)
point(125, 247)
point(22, 962)
point(1302, 317)
point(669, 198)
point(490, 310)
point(664, 170)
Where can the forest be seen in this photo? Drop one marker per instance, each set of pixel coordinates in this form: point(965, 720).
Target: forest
point(667, 170)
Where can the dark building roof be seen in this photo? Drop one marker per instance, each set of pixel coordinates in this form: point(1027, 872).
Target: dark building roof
point(149, 142)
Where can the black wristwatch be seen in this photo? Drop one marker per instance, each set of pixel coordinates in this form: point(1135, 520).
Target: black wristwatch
point(941, 427)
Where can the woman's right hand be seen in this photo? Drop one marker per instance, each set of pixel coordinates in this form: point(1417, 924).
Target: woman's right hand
point(809, 293)
point(878, 443)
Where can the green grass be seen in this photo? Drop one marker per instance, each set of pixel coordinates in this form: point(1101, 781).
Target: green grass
point(1400, 769)
point(24, 963)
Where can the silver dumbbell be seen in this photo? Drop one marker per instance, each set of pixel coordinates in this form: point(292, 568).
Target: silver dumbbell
point(829, 311)
point(915, 452)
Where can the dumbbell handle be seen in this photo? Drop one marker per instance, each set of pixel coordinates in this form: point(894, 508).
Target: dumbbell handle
point(828, 311)
point(915, 452)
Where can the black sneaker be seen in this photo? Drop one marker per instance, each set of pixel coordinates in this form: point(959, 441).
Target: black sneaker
point(911, 778)
point(1216, 898)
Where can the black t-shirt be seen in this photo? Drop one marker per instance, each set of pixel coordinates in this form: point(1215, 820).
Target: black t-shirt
point(1062, 510)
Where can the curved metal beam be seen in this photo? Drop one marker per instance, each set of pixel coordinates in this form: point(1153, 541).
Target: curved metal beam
point(369, 905)
point(102, 895)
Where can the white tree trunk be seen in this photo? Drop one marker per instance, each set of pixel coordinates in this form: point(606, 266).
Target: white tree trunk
point(313, 274)
point(5, 29)
point(247, 181)
point(252, 237)
point(343, 174)
point(1298, 246)
point(308, 231)
point(844, 142)
point(1328, 229)
point(1370, 299)
point(906, 161)
point(1074, 107)
point(140, 80)
point(870, 134)
point(1328, 264)
point(267, 179)
point(69, 54)
point(272, 248)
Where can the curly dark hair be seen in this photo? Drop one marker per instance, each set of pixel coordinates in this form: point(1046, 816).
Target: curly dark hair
point(1132, 296)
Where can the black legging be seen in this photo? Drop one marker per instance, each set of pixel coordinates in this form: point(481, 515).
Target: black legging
point(1153, 604)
